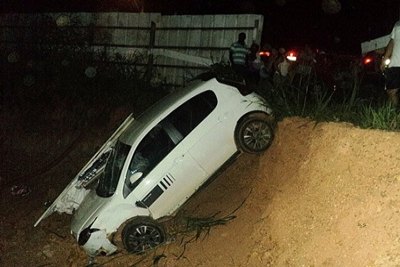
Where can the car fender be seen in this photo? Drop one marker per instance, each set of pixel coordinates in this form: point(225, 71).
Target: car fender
point(102, 239)
point(257, 103)
point(112, 218)
point(99, 243)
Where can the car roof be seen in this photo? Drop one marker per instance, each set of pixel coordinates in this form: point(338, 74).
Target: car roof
point(158, 111)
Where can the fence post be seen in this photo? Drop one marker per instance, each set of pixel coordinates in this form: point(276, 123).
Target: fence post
point(150, 60)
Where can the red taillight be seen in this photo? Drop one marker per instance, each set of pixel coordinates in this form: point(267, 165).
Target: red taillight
point(367, 60)
point(291, 56)
point(264, 54)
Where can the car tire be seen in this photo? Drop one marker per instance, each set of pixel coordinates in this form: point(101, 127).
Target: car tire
point(142, 234)
point(254, 133)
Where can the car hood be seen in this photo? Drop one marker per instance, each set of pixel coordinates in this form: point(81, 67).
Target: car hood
point(72, 196)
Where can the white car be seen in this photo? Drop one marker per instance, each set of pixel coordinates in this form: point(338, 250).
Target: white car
point(151, 165)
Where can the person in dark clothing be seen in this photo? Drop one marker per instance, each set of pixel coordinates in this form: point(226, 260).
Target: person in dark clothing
point(254, 64)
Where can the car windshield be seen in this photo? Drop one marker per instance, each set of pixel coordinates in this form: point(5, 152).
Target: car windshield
point(109, 180)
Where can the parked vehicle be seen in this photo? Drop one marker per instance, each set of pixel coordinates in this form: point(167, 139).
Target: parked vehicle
point(151, 165)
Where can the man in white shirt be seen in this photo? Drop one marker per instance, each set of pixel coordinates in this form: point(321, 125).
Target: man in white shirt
point(392, 74)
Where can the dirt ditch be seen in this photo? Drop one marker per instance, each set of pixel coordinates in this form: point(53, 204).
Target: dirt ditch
point(324, 194)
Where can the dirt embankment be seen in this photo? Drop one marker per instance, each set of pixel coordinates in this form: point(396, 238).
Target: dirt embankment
point(323, 195)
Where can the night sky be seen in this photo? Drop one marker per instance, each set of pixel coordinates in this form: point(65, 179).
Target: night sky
point(287, 23)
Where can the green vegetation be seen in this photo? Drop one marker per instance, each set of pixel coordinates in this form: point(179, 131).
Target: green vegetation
point(351, 102)
point(384, 117)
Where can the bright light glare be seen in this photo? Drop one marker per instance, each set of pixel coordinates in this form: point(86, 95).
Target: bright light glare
point(264, 54)
point(387, 61)
point(367, 60)
point(291, 56)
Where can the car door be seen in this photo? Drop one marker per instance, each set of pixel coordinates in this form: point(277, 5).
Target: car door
point(163, 163)
point(176, 185)
point(217, 144)
point(193, 120)
point(178, 174)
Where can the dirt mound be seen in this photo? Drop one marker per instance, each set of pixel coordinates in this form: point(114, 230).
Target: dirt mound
point(324, 194)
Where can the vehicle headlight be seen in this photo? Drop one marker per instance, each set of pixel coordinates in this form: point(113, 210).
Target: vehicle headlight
point(85, 235)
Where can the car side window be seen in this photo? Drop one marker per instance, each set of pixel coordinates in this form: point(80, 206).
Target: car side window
point(193, 112)
point(156, 145)
point(150, 151)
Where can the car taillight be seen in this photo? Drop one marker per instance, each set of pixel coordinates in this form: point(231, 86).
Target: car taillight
point(367, 60)
point(291, 56)
point(264, 54)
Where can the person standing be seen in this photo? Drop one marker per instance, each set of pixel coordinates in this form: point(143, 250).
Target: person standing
point(392, 74)
point(254, 64)
point(238, 54)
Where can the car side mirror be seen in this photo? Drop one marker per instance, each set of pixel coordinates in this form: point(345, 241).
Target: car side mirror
point(134, 177)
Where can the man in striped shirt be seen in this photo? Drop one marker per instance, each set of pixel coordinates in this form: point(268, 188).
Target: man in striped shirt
point(238, 54)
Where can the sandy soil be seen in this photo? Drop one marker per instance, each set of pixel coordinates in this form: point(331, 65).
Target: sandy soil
point(324, 194)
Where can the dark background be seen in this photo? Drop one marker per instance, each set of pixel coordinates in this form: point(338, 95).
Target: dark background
point(287, 23)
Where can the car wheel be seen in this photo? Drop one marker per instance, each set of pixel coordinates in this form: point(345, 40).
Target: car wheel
point(142, 234)
point(254, 133)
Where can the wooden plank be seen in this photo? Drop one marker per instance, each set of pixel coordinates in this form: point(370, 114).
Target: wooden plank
point(123, 19)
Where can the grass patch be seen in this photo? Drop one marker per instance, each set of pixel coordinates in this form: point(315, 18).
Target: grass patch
point(385, 117)
point(320, 102)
